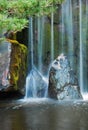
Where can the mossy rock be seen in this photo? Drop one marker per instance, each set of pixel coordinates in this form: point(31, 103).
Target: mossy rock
point(18, 66)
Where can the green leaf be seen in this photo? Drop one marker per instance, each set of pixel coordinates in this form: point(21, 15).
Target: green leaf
point(14, 13)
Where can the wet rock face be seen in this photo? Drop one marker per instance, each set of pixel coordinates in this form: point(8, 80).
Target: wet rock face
point(63, 84)
point(18, 66)
point(13, 65)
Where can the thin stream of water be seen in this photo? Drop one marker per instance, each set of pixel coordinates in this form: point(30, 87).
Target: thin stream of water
point(52, 36)
point(81, 53)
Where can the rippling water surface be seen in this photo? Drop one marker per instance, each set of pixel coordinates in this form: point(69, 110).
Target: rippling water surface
point(43, 114)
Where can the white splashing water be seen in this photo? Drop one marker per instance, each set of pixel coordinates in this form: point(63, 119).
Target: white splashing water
point(36, 85)
point(30, 86)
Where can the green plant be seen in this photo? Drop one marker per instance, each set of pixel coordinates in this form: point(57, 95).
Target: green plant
point(14, 14)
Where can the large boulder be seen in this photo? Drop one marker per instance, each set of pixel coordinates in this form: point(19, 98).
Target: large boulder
point(13, 67)
point(63, 84)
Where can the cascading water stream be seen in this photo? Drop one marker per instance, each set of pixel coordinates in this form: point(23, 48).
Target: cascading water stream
point(72, 27)
point(81, 46)
point(36, 83)
point(62, 29)
point(40, 51)
point(30, 86)
point(85, 95)
point(71, 43)
point(30, 82)
point(52, 36)
point(31, 40)
point(40, 42)
point(74, 46)
point(69, 27)
point(67, 37)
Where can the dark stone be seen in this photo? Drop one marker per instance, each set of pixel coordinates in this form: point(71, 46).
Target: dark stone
point(10, 95)
point(18, 66)
point(13, 67)
point(63, 84)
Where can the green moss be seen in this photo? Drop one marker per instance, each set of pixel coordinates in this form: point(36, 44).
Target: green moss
point(18, 63)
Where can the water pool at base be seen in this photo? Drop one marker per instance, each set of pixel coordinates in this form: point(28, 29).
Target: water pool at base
point(43, 114)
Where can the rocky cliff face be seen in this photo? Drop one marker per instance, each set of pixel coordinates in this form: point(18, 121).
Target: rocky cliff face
point(13, 57)
point(63, 84)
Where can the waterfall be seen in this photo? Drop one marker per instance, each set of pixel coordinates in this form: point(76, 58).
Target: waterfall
point(40, 42)
point(52, 36)
point(30, 45)
point(36, 83)
point(30, 83)
point(30, 86)
point(71, 37)
point(31, 40)
point(85, 95)
point(67, 29)
point(75, 26)
point(73, 29)
point(62, 29)
point(83, 20)
point(81, 42)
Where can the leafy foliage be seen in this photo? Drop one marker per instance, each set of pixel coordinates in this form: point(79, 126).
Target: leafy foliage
point(13, 24)
point(14, 14)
